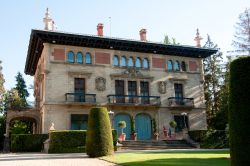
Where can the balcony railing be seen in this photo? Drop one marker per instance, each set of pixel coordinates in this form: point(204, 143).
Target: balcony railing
point(180, 102)
point(80, 97)
point(135, 100)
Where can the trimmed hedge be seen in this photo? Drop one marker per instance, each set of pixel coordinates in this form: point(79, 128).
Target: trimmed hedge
point(71, 141)
point(27, 142)
point(239, 111)
point(197, 135)
point(67, 141)
point(99, 140)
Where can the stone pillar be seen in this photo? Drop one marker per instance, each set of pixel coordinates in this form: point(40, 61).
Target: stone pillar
point(6, 145)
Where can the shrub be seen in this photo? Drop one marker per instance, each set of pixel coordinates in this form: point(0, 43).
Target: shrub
point(115, 139)
point(215, 139)
point(27, 142)
point(197, 135)
point(239, 111)
point(67, 141)
point(122, 125)
point(99, 136)
point(173, 124)
point(132, 125)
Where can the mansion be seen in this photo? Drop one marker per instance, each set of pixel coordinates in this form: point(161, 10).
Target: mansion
point(138, 81)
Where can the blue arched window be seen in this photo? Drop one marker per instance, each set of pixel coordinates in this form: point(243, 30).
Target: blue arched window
point(130, 62)
point(88, 59)
point(115, 60)
point(79, 58)
point(138, 62)
point(183, 66)
point(145, 63)
point(170, 65)
point(177, 66)
point(71, 57)
point(123, 61)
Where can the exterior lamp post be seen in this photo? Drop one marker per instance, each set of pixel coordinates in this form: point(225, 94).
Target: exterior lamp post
point(111, 114)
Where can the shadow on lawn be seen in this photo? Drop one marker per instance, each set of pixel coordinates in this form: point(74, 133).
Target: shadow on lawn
point(181, 162)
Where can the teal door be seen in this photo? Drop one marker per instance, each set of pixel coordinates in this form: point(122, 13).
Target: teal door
point(143, 127)
point(126, 118)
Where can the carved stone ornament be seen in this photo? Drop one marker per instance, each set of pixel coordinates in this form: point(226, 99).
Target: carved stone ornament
point(162, 87)
point(100, 83)
point(132, 73)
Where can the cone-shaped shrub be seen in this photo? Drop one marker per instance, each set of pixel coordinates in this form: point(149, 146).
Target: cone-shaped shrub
point(239, 112)
point(99, 141)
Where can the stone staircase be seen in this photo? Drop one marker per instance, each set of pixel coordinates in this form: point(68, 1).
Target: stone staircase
point(153, 145)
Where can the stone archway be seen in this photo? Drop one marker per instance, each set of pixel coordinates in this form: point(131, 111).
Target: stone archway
point(28, 114)
point(32, 114)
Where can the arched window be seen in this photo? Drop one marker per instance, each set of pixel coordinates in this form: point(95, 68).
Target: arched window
point(145, 63)
point(130, 62)
point(88, 59)
point(123, 61)
point(115, 60)
point(138, 62)
point(170, 65)
point(177, 66)
point(183, 66)
point(71, 57)
point(79, 58)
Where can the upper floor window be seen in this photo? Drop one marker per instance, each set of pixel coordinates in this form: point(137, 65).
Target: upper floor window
point(88, 59)
point(130, 62)
point(177, 66)
point(183, 66)
point(145, 63)
point(71, 57)
point(138, 63)
point(79, 58)
point(170, 65)
point(115, 61)
point(123, 61)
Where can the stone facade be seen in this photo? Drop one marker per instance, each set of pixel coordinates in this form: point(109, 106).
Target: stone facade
point(54, 78)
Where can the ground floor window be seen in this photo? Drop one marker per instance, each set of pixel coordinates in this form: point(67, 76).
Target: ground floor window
point(79, 122)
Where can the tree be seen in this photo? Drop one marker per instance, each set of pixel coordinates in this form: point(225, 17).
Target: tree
point(2, 90)
point(213, 80)
point(21, 87)
point(167, 40)
point(220, 120)
point(239, 111)
point(99, 141)
point(242, 33)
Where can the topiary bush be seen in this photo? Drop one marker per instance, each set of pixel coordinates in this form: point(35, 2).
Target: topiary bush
point(67, 141)
point(197, 135)
point(99, 136)
point(27, 142)
point(239, 111)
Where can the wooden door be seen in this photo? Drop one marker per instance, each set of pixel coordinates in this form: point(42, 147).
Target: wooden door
point(119, 91)
point(79, 89)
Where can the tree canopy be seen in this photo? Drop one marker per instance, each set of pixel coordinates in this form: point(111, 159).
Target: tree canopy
point(242, 33)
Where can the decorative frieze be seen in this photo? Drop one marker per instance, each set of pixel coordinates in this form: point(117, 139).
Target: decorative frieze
point(162, 87)
point(100, 83)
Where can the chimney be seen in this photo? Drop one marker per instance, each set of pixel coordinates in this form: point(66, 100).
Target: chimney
point(143, 35)
point(100, 29)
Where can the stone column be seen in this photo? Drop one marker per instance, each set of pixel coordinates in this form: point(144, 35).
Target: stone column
point(6, 145)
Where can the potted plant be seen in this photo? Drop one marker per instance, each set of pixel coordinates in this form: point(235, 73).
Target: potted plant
point(133, 133)
point(122, 125)
point(173, 125)
point(156, 134)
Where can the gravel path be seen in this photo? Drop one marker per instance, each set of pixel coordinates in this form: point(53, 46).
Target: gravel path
point(41, 159)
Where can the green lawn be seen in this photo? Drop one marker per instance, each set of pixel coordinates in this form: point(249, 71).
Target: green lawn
point(177, 158)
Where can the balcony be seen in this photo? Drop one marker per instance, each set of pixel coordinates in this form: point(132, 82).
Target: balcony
point(181, 102)
point(80, 98)
point(134, 100)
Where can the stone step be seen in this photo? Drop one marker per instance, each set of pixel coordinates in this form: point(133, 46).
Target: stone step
point(152, 144)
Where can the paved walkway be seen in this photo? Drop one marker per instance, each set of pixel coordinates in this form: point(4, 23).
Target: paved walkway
point(41, 159)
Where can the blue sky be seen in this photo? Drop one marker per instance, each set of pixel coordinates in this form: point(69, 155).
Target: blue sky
point(178, 19)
